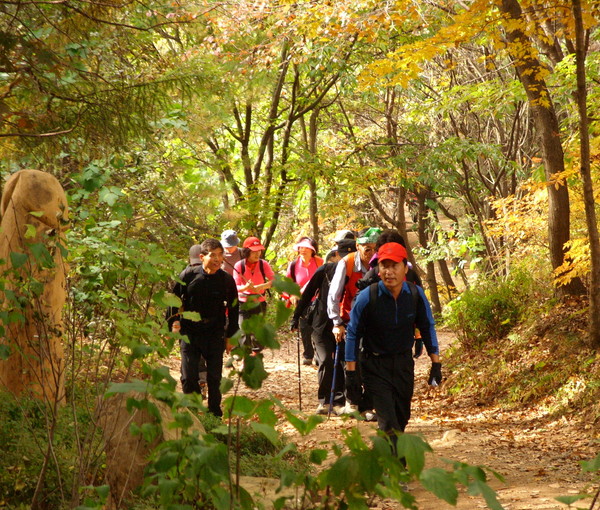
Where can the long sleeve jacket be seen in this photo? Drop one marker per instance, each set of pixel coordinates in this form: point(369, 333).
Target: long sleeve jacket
point(213, 296)
point(389, 327)
point(318, 286)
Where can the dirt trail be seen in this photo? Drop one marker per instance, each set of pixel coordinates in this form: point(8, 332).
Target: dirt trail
point(539, 458)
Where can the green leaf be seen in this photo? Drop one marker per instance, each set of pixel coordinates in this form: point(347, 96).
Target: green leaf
point(141, 351)
point(109, 195)
point(166, 461)
point(254, 373)
point(114, 388)
point(191, 316)
point(37, 214)
point(103, 491)
point(242, 406)
point(304, 427)
point(4, 351)
point(282, 313)
point(318, 456)
point(166, 489)
point(569, 500)
point(478, 487)
point(371, 469)
point(31, 231)
point(266, 430)
point(413, 448)
point(166, 299)
point(41, 254)
point(17, 259)
point(284, 284)
point(441, 483)
point(226, 385)
point(592, 465)
point(343, 473)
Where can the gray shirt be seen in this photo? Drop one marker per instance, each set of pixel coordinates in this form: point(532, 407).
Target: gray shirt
point(230, 259)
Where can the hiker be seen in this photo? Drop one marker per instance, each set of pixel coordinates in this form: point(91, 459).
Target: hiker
point(384, 316)
point(231, 254)
point(322, 334)
point(372, 275)
point(344, 234)
point(301, 270)
point(253, 276)
point(194, 261)
point(343, 289)
point(211, 292)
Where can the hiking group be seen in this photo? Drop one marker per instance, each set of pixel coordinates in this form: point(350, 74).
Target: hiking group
point(361, 317)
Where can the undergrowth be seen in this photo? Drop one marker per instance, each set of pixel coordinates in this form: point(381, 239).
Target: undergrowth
point(538, 356)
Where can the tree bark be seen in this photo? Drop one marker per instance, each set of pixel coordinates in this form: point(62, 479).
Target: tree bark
point(528, 69)
point(586, 177)
point(430, 277)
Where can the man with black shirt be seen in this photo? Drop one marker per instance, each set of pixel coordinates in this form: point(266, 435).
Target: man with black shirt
point(322, 334)
point(212, 293)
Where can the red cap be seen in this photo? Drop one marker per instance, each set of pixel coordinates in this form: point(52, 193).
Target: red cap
point(253, 244)
point(392, 251)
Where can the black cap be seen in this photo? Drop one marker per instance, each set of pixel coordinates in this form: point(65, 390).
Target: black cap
point(345, 246)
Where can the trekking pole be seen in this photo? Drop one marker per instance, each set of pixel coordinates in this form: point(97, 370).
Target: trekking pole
point(335, 366)
point(299, 374)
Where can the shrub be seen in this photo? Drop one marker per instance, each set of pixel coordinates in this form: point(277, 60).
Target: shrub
point(491, 309)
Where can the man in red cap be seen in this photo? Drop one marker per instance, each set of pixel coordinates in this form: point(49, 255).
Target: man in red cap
point(384, 316)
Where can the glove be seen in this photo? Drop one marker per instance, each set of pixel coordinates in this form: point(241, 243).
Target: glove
point(294, 325)
point(353, 388)
point(418, 347)
point(435, 374)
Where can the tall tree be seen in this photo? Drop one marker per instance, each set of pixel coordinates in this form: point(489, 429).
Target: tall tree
point(531, 73)
point(581, 47)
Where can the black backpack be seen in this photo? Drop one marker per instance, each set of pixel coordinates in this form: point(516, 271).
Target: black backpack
point(260, 265)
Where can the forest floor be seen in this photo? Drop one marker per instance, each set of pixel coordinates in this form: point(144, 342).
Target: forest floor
point(538, 457)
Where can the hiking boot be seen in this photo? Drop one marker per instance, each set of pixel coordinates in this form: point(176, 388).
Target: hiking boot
point(369, 415)
point(350, 409)
point(338, 410)
point(307, 361)
point(322, 409)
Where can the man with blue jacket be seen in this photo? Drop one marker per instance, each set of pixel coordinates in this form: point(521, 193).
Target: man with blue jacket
point(385, 317)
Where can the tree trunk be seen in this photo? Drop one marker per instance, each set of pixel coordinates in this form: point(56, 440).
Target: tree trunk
point(312, 185)
point(586, 177)
point(528, 69)
point(430, 277)
point(448, 280)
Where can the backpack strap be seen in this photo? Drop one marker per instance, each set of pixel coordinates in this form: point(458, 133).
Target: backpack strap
point(260, 265)
point(293, 269)
point(372, 299)
point(373, 293)
point(415, 294)
point(350, 264)
point(262, 270)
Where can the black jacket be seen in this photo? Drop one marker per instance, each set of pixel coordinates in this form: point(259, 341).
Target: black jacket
point(318, 285)
point(213, 296)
